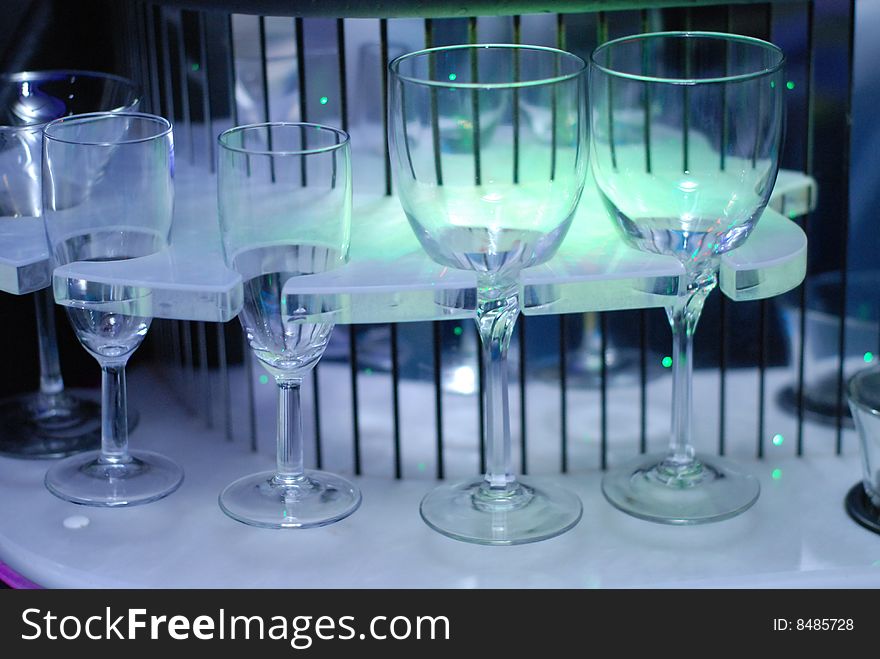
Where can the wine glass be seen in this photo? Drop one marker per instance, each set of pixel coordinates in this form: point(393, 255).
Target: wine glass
point(108, 196)
point(284, 195)
point(486, 191)
point(50, 422)
point(686, 133)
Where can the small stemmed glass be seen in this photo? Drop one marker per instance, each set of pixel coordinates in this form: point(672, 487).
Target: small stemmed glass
point(285, 213)
point(51, 422)
point(108, 196)
point(686, 133)
point(489, 143)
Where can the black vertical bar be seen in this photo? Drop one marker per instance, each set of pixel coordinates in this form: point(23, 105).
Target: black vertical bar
point(602, 37)
point(153, 54)
point(844, 239)
point(603, 391)
point(647, 91)
point(168, 92)
point(316, 387)
point(251, 398)
point(563, 323)
point(475, 100)
point(762, 368)
point(563, 391)
point(643, 316)
point(383, 57)
point(722, 320)
point(438, 396)
point(264, 75)
point(435, 126)
point(225, 392)
point(481, 404)
point(522, 396)
point(189, 363)
point(517, 38)
point(230, 73)
point(202, 335)
point(207, 118)
point(808, 169)
point(299, 32)
point(353, 376)
point(184, 86)
point(343, 76)
point(395, 399)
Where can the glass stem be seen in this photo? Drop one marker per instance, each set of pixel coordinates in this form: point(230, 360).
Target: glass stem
point(50, 366)
point(497, 309)
point(684, 314)
point(114, 414)
point(289, 470)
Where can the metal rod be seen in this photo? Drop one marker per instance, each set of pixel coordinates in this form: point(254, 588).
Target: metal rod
point(264, 77)
point(316, 388)
point(205, 381)
point(844, 242)
point(383, 76)
point(230, 72)
point(517, 38)
point(353, 375)
point(436, 343)
point(395, 400)
point(563, 391)
point(523, 421)
point(435, 126)
point(207, 118)
point(225, 388)
point(184, 86)
point(251, 398)
point(343, 78)
point(475, 100)
point(299, 31)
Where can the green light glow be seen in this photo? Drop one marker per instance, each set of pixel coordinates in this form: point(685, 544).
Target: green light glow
point(368, 371)
point(457, 331)
point(195, 66)
point(778, 439)
point(421, 466)
point(452, 76)
point(789, 84)
point(666, 361)
point(264, 379)
point(324, 100)
point(868, 357)
point(777, 474)
point(772, 84)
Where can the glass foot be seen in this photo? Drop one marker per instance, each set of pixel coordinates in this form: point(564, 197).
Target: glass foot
point(531, 511)
point(37, 426)
point(707, 490)
point(319, 499)
point(84, 479)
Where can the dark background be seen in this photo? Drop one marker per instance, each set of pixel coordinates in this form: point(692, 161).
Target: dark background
point(48, 34)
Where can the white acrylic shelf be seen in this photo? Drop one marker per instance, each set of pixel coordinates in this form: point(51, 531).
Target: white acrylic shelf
point(390, 278)
point(796, 535)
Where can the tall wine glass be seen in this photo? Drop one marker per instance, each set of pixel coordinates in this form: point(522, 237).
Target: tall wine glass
point(285, 213)
point(108, 195)
point(686, 133)
point(50, 422)
point(489, 143)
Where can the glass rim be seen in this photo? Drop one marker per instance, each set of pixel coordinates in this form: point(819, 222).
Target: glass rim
point(94, 116)
point(394, 67)
point(345, 138)
point(44, 74)
point(852, 398)
point(689, 34)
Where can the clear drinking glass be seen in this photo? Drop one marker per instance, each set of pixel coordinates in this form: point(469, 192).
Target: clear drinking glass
point(489, 145)
point(686, 134)
point(108, 195)
point(285, 213)
point(50, 422)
